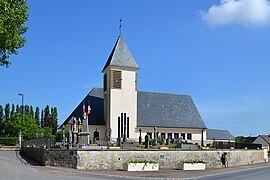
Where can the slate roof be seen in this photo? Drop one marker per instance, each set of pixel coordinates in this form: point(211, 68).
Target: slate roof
point(218, 134)
point(266, 138)
point(121, 56)
point(154, 109)
point(96, 117)
point(167, 110)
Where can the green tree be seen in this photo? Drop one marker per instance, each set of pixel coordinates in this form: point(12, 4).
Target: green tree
point(37, 116)
point(26, 110)
point(31, 128)
point(13, 16)
point(18, 109)
point(47, 117)
point(59, 135)
point(7, 111)
point(31, 112)
point(13, 125)
point(47, 132)
point(241, 139)
point(42, 119)
point(54, 120)
point(12, 113)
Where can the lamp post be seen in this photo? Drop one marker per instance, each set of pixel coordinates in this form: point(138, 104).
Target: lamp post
point(20, 94)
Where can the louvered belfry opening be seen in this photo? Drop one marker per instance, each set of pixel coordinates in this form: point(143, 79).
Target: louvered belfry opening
point(116, 79)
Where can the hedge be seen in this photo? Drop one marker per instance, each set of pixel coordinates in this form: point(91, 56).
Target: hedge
point(9, 141)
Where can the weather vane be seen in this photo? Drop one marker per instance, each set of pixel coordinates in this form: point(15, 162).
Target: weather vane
point(120, 27)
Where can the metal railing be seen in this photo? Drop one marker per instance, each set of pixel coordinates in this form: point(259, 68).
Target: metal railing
point(235, 145)
point(43, 142)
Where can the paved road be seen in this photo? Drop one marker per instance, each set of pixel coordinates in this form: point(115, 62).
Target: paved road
point(262, 173)
point(13, 167)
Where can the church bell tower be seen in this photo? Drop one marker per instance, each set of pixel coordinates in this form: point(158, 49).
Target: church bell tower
point(120, 92)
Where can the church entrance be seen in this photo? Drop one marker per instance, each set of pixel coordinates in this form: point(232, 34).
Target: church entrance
point(96, 136)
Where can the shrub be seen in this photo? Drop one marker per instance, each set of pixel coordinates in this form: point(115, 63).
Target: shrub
point(9, 141)
point(193, 161)
point(145, 161)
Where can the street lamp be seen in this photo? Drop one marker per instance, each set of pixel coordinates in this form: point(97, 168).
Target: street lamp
point(20, 94)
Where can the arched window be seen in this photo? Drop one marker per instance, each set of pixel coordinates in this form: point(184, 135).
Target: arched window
point(96, 135)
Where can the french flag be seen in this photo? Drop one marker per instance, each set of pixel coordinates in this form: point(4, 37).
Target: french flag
point(83, 108)
point(89, 108)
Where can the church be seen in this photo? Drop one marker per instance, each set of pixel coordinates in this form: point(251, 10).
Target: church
point(119, 110)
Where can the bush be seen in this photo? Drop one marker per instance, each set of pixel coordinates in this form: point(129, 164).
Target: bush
point(9, 141)
point(145, 161)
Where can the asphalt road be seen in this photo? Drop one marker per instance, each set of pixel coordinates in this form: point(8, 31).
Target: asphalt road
point(262, 173)
point(14, 167)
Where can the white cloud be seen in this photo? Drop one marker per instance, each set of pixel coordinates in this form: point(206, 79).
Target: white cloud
point(240, 12)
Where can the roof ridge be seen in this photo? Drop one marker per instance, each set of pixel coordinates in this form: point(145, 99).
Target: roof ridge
point(165, 93)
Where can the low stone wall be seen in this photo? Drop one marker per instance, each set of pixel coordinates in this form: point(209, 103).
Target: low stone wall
point(116, 159)
point(35, 153)
point(60, 157)
point(167, 159)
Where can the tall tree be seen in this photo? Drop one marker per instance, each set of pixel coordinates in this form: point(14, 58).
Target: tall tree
point(42, 119)
point(26, 110)
point(37, 115)
point(13, 16)
point(31, 112)
point(18, 109)
point(7, 111)
point(47, 117)
point(54, 120)
point(12, 113)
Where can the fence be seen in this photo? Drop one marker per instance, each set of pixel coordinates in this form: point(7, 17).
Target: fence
point(235, 145)
point(38, 142)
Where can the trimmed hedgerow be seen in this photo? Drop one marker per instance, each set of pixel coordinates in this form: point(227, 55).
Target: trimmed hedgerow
point(9, 141)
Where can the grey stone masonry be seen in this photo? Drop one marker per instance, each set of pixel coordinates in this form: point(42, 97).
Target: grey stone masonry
point(168, 159)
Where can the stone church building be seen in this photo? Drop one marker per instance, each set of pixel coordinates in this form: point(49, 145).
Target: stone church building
point(119, 110)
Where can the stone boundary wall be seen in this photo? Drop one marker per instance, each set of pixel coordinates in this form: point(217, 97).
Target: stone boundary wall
point(36, 154)
point(60, 157)
point(116, 159)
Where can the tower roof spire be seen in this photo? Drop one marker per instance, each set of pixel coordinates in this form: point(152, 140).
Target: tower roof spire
point(121, 56)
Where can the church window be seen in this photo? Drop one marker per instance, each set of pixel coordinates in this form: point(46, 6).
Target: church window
point(176, 135)
point(169, 135)
point(96, 136)
point(116, 79)
point(189, 136)
point(163, 135)
point(183, 135)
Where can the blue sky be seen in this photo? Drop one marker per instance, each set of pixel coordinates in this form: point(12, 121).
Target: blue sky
point(215, 51)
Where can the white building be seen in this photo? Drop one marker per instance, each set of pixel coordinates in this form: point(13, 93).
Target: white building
point(119, 109)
